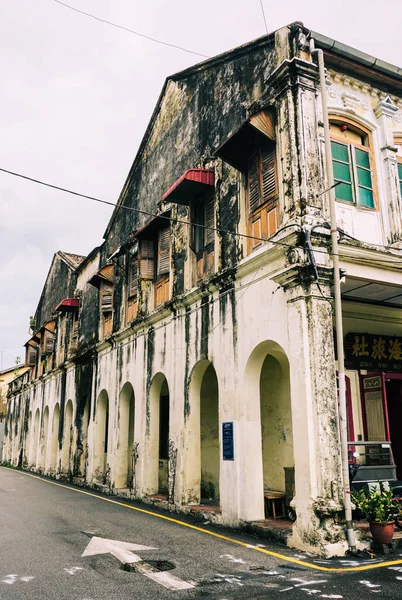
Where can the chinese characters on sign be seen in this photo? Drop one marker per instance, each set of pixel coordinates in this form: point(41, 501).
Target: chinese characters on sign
point(373, 352)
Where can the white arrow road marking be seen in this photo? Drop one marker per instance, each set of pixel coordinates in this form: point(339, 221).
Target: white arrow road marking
point(121, 550)
point(124, 551)
point(169, 581)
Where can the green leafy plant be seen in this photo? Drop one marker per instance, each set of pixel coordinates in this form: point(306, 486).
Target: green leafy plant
point(377, 506)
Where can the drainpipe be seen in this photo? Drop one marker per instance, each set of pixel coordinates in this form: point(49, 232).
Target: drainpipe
point(338, 305)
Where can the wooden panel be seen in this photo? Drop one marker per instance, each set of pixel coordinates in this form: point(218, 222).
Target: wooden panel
point(264, 122)
point(272, 220)
point(200, 268)
point(107, 273)
point(107, 324)
point(164, 251)
point(268, 174)
point(49, 342)
point(254, 195)
point(209, 233)
point(211, 263)
point(133, 277)
point(374, 416)
point(147, 259)
point(106, 299)
point(256, 231)
point(31, 356)
point(131, 310)
point(162, 291)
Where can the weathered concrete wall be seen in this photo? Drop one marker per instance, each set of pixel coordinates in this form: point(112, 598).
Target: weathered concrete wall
point(60, 284)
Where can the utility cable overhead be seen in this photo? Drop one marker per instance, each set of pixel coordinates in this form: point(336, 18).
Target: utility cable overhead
point(221, 232)
point(147, 37)
point(263, 14)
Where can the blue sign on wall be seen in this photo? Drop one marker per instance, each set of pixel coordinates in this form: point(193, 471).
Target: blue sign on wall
point(227, 441)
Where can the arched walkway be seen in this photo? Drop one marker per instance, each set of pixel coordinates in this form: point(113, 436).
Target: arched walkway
point(123, 466)
point(201, 437)
point(158, 437)
point(67, 438)
point(82, 424)
point(35, 441)
point(54, 442)
point(28, 439)
point(45, 434)
point(100, 439)
point(267, 420)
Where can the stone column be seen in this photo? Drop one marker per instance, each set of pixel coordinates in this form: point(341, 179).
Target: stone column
point(391, 208)
point(318, 475)
point(293, 84)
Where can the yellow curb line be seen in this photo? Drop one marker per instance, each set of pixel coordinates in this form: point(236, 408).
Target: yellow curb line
point(218, 535)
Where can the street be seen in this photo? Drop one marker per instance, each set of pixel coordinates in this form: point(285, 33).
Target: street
point(65, 543)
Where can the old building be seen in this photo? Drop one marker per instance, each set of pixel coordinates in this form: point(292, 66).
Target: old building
point(191, 356)
point(6, 377)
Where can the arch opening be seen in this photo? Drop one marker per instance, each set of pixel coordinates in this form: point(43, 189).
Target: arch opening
point(267, 417)
point(67, 438)
point(125, 456)
point(45, 436)
point(54, 439)
point(35, 440)
point(101, 431)
point(201, 437)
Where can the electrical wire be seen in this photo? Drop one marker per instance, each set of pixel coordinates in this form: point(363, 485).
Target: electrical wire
point(221, 232)
point(144, 212)
point(263, 14)
point(147, 37)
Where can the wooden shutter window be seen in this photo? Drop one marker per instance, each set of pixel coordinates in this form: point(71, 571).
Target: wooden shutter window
point(147, 259)
point(268, 167)
point(74, 333)
point(49, 343)
point(107, 299)
point(164, 251)
point(253, 182)
point(32, 353)
point(209, 234)
point(133, 277)
point(262, 178)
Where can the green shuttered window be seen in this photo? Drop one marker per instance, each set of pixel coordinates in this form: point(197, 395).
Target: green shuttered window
point(400, 177)
point(352, 168)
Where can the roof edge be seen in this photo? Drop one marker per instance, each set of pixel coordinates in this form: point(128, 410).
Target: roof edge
point(327, 43)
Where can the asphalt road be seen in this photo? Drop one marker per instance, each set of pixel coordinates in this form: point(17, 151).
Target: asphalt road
point(46, 528)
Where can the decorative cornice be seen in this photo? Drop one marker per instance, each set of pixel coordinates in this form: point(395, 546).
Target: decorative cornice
point(361, 86)
point(386, 108)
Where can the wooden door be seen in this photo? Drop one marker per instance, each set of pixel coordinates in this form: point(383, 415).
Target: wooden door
point(373, 398)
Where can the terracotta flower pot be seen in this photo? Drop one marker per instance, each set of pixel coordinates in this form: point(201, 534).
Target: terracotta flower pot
point(382, 534)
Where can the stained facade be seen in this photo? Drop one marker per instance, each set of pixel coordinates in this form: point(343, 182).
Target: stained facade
point(208, 302)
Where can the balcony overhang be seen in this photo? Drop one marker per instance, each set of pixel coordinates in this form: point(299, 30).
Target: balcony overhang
point(33, 342)
point(357, 289)
point(105, 275)
point(155, 224)
point(258, 130)
point(68, 305)
point(191, 184)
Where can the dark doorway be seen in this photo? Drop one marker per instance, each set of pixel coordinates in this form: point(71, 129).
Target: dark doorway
point(394, 404)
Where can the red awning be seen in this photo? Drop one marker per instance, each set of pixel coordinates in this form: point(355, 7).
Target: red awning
point(68, 305)
point(192, 183)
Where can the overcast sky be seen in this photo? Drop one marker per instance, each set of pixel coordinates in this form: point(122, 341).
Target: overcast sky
point(76, 97)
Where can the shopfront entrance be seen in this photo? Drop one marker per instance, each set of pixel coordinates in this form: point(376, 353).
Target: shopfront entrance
point(393, 390)
point(378, 360)
point(381, 395)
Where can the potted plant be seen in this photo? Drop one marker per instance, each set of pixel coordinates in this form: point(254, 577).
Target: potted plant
point(379, 508)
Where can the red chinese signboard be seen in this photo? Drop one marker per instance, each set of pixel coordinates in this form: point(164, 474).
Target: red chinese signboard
point(373, 352)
